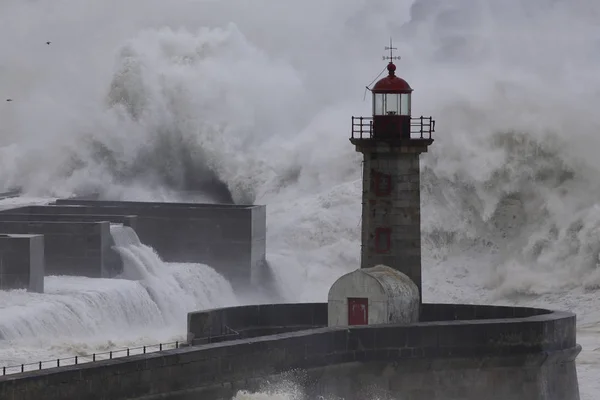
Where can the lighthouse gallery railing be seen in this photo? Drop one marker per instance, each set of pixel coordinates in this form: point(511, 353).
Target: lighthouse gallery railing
point(420, 127)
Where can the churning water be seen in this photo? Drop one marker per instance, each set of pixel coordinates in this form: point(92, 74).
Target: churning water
point(146, 305)
point(142, 99)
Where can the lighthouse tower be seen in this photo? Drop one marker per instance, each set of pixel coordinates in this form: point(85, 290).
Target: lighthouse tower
point(391, 141)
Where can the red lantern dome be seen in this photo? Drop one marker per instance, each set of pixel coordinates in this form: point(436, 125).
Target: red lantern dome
point(391, 83)
point(392, 123)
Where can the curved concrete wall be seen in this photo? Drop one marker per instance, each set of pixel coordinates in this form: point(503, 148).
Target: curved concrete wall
point(523, 358)
point(232, 323)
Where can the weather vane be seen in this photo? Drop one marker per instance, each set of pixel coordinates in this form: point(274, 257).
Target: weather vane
point(391, 48)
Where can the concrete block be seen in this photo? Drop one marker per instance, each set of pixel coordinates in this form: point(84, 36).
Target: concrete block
point(22, 262)
point(229, 238)
point(72, 248)
point(12, 215)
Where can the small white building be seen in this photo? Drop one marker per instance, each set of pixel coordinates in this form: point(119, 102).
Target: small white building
point(377, 295)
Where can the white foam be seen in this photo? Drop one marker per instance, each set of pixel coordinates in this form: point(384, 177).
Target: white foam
point(77, 315)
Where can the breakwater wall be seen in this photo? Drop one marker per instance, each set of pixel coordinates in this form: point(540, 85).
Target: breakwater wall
point(234, 323)
point(496, 353)
point(229, 238)
point(71, 248)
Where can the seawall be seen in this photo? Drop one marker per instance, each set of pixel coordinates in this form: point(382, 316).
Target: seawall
point(73, 247)
point(229, 238)
point(496, 353)
point(244, 322)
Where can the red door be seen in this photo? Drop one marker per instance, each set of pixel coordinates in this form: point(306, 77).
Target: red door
point(358, 311)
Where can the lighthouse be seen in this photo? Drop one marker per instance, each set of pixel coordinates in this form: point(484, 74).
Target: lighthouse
point(386, 289)
point(391, 141)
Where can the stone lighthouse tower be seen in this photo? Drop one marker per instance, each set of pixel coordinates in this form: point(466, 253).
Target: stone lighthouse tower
point(392, 141)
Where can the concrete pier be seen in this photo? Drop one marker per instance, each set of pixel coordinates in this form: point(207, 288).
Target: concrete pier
point(22, 262)
point(496, 353)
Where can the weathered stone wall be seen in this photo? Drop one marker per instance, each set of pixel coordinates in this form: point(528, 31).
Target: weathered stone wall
point(498, 359)
point(391, 213)
point(72, 248)
point(22, 262)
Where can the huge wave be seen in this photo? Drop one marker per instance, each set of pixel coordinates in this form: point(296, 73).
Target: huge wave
point(245, 116)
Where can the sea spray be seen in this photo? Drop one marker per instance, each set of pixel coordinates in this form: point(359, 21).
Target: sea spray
point(76, 315)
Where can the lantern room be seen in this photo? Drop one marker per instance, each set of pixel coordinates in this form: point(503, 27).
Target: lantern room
point(391, 122)
point(391, 95)
point(391, 107)
point(370, 296)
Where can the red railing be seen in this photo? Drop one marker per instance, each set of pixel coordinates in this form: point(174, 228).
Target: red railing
point(75, 360)
point(420, 127)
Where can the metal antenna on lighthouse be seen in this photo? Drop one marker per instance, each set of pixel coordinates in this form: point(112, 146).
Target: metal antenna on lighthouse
point(391, 48)
point(391, 57)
